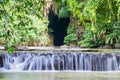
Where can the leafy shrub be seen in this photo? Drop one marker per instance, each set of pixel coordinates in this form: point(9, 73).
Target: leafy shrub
point(114, 34)
point(102, 14)
point(63, 12)
point(22, 21)
point(71, 37)
point(88, 39)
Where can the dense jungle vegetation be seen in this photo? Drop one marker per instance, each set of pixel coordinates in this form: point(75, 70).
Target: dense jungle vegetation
point(93, 23)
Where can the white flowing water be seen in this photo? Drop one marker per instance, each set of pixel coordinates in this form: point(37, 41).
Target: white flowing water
point(60, 61)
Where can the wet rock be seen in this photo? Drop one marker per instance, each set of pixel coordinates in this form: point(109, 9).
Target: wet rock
point(1, 60)
point(56, 62)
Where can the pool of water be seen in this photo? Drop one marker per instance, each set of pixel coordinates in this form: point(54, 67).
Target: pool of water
point(62, 75)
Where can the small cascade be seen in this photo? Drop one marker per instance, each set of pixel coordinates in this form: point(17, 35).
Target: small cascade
point(60, 61)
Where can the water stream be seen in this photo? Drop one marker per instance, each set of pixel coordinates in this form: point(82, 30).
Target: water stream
point(59, 66)
point(82, 61)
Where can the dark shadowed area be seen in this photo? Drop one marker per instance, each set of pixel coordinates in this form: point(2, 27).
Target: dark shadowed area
point(59, 26)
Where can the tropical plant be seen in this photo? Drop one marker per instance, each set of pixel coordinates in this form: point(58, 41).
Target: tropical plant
point(71, 37)
point(63, 12)
point(88, 39)
point(114, 34)
point(22, 21)
point(101, 14)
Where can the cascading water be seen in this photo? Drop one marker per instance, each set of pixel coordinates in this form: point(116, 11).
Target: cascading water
point(60, 61)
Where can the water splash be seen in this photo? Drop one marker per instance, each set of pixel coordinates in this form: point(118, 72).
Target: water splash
point(60, 61)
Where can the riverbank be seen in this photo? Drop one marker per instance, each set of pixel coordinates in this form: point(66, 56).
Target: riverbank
point(61, 49)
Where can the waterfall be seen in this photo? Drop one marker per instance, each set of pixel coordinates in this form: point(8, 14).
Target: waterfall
point(60, 61)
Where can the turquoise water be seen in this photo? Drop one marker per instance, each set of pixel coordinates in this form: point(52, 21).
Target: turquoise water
point(46, 75)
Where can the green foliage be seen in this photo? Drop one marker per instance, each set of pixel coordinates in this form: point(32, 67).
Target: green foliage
point(88, 38)
point(60, 2)
point(10, 49)
point(63, 12)
point(71, 37)
point(22, 21)
point(76, 7)
point(114, 34)
point(102, 14)
point(71, 29)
